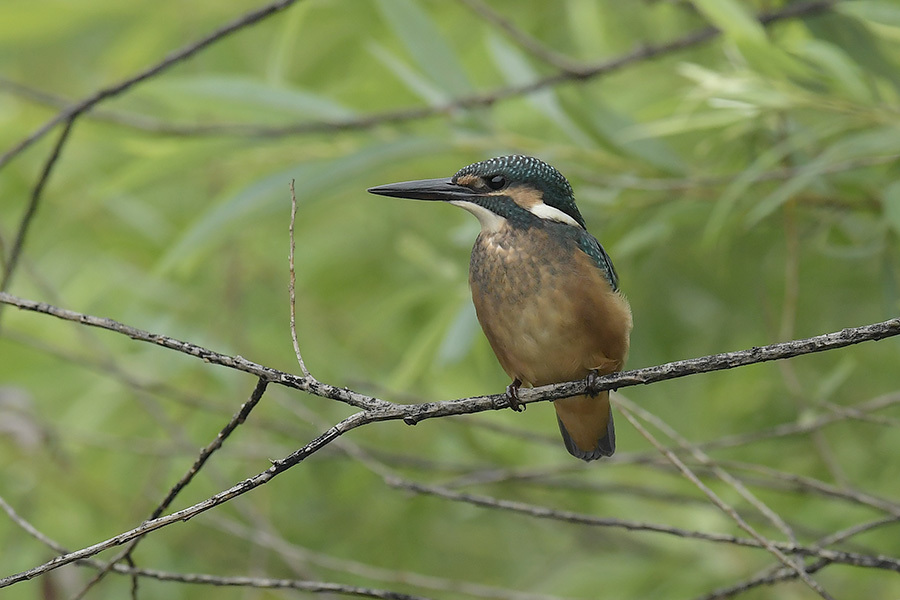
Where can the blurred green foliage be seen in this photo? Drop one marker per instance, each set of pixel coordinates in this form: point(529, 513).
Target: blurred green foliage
point(746, 189)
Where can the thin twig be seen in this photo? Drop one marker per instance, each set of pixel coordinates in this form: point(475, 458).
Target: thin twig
point(531, 45)
point(797, 427)
point(362, 418)
point(810, 484)
point(442, 585)
point(772, 576)
point(541, 512)
point(31, 529)
point(107, 367)
point(250, 582)
point(293, 281)
point(368, 460)
point(599, 69)
point(769, 545)
point(278, 467)
point(217, 580)
point(634, 182)
point(15, 252)
point(173, 58)
point(704, 459)
point(317, 587)
point(237, 419)
point(788, 481)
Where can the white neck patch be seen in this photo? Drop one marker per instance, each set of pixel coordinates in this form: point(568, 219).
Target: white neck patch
point(490, 221)
point(551, 213)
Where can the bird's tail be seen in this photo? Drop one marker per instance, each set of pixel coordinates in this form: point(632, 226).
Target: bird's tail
point(586, 425)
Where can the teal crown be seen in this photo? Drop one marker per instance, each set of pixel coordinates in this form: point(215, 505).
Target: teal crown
point(531, 172)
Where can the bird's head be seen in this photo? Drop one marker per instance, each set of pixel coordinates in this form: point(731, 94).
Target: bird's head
point(519, 190)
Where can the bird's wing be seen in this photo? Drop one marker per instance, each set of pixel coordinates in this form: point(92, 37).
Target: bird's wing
point(590, 246)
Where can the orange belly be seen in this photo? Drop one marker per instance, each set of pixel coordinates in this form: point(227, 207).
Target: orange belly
point(550, 316)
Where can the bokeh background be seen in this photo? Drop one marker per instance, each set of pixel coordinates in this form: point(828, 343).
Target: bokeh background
point(746, 188)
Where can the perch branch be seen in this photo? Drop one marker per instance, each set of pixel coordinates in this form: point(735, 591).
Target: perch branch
point(382, 410)
point(375, 410)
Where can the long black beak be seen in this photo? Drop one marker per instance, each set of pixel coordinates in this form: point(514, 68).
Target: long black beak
point(426, 189)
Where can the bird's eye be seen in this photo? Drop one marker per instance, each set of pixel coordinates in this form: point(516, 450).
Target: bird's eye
point(496, 182)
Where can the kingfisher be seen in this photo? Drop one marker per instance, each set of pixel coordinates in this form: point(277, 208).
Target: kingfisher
point(545, 291)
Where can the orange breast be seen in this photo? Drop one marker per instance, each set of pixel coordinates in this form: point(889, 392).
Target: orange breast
point(546, 309)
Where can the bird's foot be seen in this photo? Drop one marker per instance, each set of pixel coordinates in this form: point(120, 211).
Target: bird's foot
point(592, 383)
point(512, 395)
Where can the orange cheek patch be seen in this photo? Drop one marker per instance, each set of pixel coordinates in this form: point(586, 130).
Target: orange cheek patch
point(525, 197)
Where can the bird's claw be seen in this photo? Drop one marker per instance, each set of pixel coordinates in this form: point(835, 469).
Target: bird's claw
point(592, 383)
point(512, 396)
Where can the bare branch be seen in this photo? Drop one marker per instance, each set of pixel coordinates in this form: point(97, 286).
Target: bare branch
point(537, 49)
point(809, 484)
point(382, 410)
point(15, 252)
point(796, 567)
point(375, 410)
point(772, 576)
point(72, 112)
point(316, 587)
point(253, 582)
point(848, 558)
point(278, 467)
point(727, 509)
point(705, 460)
point(236, 420)
point(438, 585)
point(795, 428)
point(29, 528)
point(590, 71)
point(293, 281)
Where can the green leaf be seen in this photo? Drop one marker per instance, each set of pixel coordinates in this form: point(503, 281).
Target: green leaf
point(460, 335)
point(732, 18)
point(426, 44)
point(786, 191)
point(890, 201)
point(688, 122)
point(856, 39)
point(284, 44)
point(835, 378)
point(651, 234)
point(835, 62)
point(766, 161)
point(517, 71)
point(609, 125)
point(255, 97)
point(869, 143)
point(421, 349)
point(421, 86)
point(314, 180)
point(885, 13)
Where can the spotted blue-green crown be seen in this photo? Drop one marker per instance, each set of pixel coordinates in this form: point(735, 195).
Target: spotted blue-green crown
point(532, 172)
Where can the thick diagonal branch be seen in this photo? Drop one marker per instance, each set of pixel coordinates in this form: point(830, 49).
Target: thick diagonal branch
point(382, 410)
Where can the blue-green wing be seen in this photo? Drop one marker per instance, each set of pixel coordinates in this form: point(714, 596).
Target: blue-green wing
point(590, 246)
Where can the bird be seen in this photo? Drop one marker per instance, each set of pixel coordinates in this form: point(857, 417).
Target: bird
point(545, 291)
